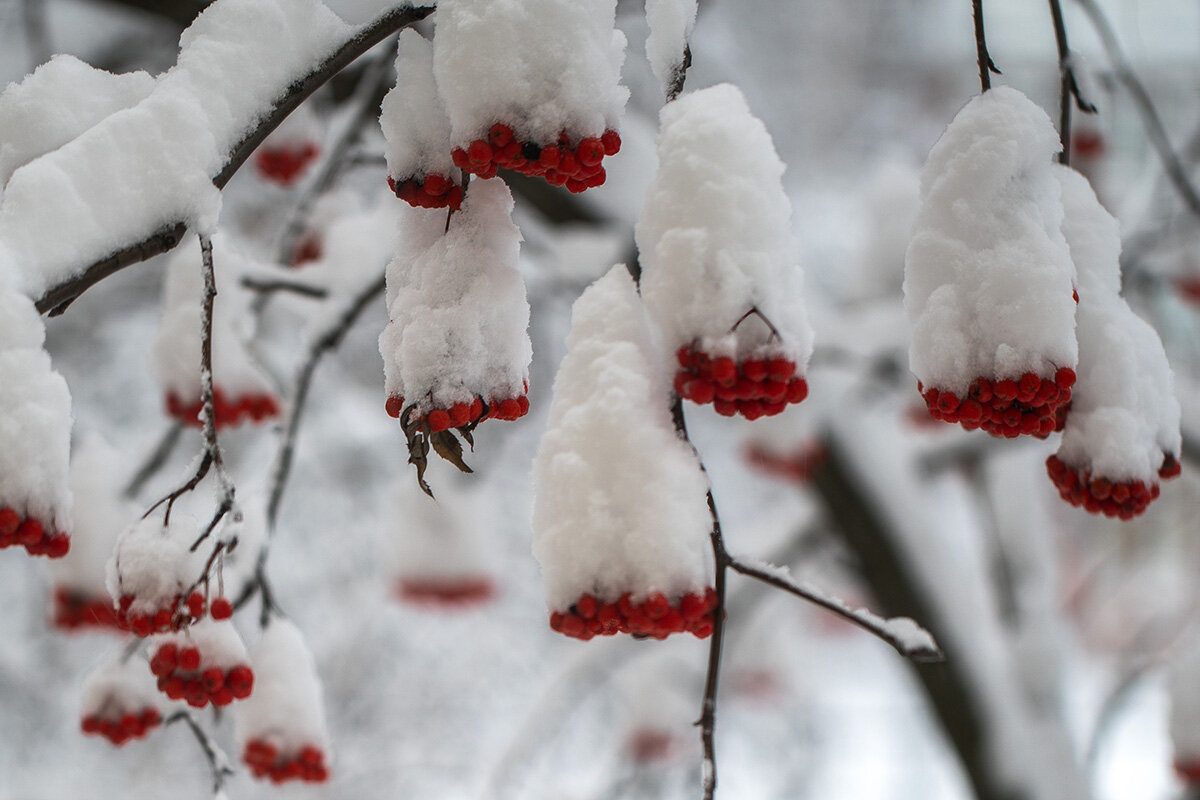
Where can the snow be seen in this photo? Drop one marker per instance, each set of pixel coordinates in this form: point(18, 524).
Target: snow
point(671, 23)
point(620, 501)
point(286, 707)
point(437, 539)
point(413, 116)
point(540, 66)
point(715, 237)
point(58, 101)
point(151, 562)
point(117, 686)
point(457, 305)
point(1124, 417)
point(1184, 692)
point(988, 276)
point(151, 165)
point(218, 642)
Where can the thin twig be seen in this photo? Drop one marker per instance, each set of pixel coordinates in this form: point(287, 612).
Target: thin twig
point(986, 65)
point(56, 299)
point(190, 484)
point(1155, 131)
point(218, 762)
point(280, 285)
point(1069, 88)
point(708, 714)
point(154, 462)
point(679, 73)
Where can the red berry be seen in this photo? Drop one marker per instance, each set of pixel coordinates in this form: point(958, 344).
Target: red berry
point(611, 141)
point(189, 659)
point(438, 419)
point(755, 370)
point(240, 681)
point(394, 406)
point(590, 152)
point(1065, 378)
point(9, 521)
point(460, 158)
point(460, 414)
point(479, 153)
point(221, 608)
point(500, 134)
point(195, 604)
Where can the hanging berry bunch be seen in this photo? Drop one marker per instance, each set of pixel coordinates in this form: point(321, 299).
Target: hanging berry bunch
point(717, 253)
point(205, 664)
point(291, 148)
point(620, 515)
point(517, 102)
point(119, 701)
point(988, 283)
point(1122, 432)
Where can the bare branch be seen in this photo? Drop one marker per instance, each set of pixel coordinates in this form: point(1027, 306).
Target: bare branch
point(280, 285)
point(708, 714)
point(986, 65)
point(218, 762)
point(1069, 88)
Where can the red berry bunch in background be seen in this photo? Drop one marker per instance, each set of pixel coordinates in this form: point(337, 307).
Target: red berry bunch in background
point(265, 760)
point(459, 414)
point(228, 413)
point(431, 191)
point(174, 615)
point(36, 538)
point(561, 163)
point(283, 165)
point(754, 388)
point(445, 591)
point(796, 467)
point(75, 609)
point(1008, 407)
point(119, 726)
point(1099, 495)
point(184, 675)
point(655, 616)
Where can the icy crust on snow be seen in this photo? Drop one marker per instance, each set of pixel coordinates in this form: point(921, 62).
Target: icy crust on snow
point(286, 707)
point(152, 563)
point(100, 513)
point(540, 66)
point(987, 280)
point(671, 23)
point(147, 166)
point(35, 438)
point(58, 101)
point(1124, 416)
point(413, 117)
point(715, 238)
point(116, 686)
point(459, 316)
point(175, 356)
point(620, 503)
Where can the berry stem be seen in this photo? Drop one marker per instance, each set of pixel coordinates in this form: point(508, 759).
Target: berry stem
point(986, 65)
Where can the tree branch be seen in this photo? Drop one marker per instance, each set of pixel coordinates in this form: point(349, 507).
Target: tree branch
point(986, 65)
point(1069, 87)
point(218, 762)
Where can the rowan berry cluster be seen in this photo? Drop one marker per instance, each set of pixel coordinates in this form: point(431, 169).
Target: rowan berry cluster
point(576, 166)
point(31, 534)
point(654, 617)
point(461, 591)
point(124, 726)
point(459, 414)
point(432, 191)
point(283, 165)
point(74, 609)
point(175, 615)
point(754, 388)
point(1008, 407)
point(227, 413)
point(1102, 496)
point(183, 675)
point(266, 761)
point(796, 467)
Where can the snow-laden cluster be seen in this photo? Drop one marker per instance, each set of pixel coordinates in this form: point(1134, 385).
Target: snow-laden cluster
point(671, 23)
point(459, 317)
point(149, 570)
point(58, 101)
point(118, 700)
point(205, 664)
point(540, 66)
point(620, 514)
point(152, 164)
point(242, 389)
point(35, 430)
point(417, 129)
point(1123, 424)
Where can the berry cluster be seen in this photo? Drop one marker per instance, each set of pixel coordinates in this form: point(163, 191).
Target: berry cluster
point(463, 591)
point(561, 164)
point(182, 675)
point(227, 412)
point(797, 467)
point(284, 164)
point(654, 616)
point(173, 616)
point(74, 609)
point(266, 761)
point(1008, 407)
point(754, 388)
point(459, 414)
point(1100, 495)
point(1188, 772)
point(123, 727)
point(32, 535)
point(432, 191)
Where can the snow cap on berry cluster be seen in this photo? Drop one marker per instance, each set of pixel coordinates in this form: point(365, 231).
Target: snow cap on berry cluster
point(151, 563)
point(58, 101)
point(117, 681)
point(458, 311)
point(1124, 416)
point(286, 708)
point(988, 278)
point(176, 350)
point(620, 502)
point(539, 66)
point(413, 117)
point(671, 23)
point(715, 238)
point(218, 641)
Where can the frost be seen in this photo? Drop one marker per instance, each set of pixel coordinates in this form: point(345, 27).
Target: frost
point(987, 284)
point(541, 66)
point(285, 708)
point(715, 239)
point(620, 501)
point(671, 23)
point(457, 305)
point(413, 117)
